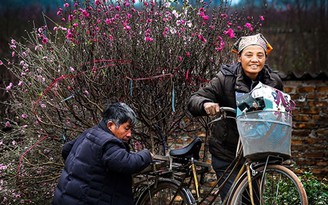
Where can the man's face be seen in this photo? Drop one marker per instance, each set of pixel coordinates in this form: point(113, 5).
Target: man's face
point(123, 132)
point(252, 60)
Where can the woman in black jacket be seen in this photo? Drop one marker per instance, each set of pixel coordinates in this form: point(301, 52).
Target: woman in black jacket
point(98, 164)
point(243, 76)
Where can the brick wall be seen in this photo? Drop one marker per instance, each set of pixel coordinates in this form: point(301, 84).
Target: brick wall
point(310, 125)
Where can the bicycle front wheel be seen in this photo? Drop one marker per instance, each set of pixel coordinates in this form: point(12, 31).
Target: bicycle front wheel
point(166, 192)
point(279, 185)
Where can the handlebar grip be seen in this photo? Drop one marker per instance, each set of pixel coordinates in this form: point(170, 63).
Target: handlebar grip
point(228, 109)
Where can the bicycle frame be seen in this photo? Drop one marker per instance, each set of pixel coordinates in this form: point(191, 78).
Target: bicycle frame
point(185, 161)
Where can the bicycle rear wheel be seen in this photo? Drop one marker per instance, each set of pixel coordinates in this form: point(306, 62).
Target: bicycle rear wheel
point(165, 192)
point(280, 186)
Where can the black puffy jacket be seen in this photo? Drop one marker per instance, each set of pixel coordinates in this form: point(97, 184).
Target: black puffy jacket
point(98, 170)
point(221, 89)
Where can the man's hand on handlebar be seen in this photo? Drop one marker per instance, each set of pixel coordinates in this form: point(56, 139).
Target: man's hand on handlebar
point(211, 108)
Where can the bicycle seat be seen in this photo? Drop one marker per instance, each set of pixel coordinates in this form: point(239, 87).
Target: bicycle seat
point(191, 150)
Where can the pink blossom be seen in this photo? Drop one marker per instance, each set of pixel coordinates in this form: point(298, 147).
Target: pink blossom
point(24, 116)
point(42, 105)
point(108, 21)
point(9, 86)
point(45, 40)
point(175, 13)
point(118, 8)
point(7, 124)
point(180, 58)
point(71, 69)
point(205, 17)
point(180, 22)
point(127, 27)
point(63, 28)
point(1, 63)
point(262, 18)
point(149, 39)
point(97, 2)
point(201, 13)
point(188, 54)
point(69, 34)
point(230, 33)
point(219, 48)
point(202, 38)
point(12, 46)
point(20, 83)
point(38, 47)
point(3, 167)
point(128, 15)
point(70, 17)
point(59, 12)
point(85, 13)
point(66, 5)
point(111, 38)
point(224, 16)
point(75, 25)
point(249, 26)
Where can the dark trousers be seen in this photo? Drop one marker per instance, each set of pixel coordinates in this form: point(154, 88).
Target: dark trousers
point(220, 166)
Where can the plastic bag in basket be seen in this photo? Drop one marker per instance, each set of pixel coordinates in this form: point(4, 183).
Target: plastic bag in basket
point(264, 97)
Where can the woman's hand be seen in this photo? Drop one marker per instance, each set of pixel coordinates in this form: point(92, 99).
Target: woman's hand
point(211, 108)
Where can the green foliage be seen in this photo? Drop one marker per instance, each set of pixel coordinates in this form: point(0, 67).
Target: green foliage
point(316, 190)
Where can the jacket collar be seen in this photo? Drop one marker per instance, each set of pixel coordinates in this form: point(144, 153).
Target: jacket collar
point(245, 84)
point(102, 124)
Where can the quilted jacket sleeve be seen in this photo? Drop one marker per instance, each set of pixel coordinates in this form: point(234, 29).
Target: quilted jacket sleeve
point(67, 148)
point(210, 93)
point(116, 158)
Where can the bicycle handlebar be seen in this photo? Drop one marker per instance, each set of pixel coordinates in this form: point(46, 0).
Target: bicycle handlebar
point(222, 114)
point(227, 109)
point(161, 158)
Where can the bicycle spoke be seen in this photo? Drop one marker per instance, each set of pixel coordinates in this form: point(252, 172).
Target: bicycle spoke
point(280, 186)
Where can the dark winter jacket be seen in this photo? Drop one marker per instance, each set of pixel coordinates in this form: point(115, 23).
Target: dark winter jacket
point(221, 90)
point(98, 170)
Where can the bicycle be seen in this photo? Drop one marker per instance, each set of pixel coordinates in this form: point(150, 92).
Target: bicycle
point(268, 181)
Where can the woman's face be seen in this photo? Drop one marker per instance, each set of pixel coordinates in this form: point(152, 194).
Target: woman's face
point(252, 59)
